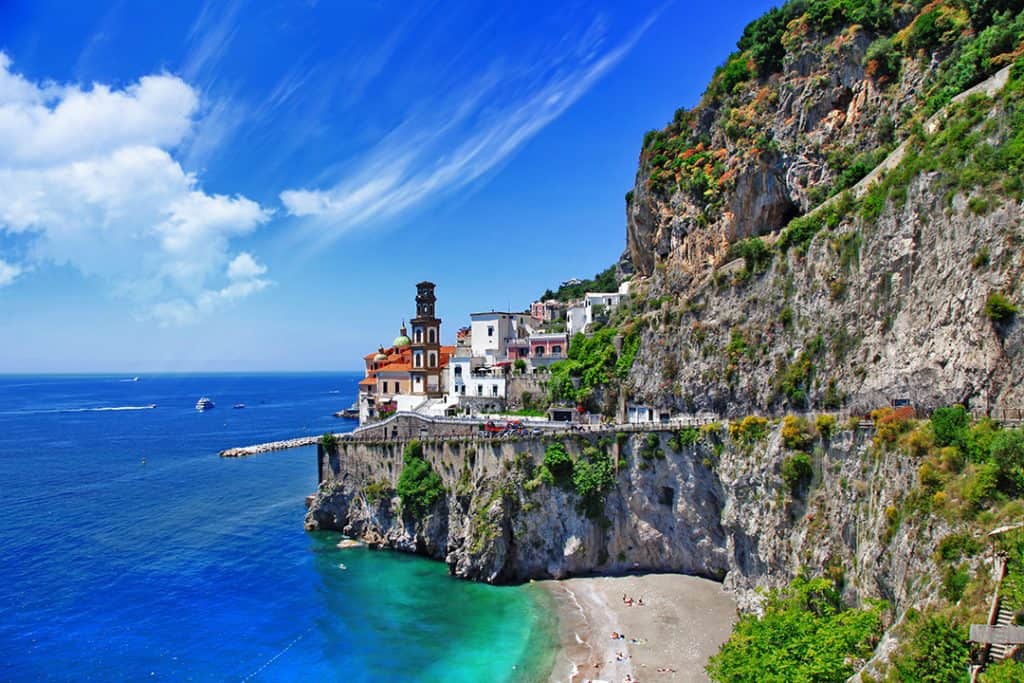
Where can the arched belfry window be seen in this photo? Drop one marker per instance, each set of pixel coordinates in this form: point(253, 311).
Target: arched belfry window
point(431, 335)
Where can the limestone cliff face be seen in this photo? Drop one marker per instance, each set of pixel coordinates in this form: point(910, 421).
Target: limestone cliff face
point(870, 309)
point(718, 508)
point(874, 312)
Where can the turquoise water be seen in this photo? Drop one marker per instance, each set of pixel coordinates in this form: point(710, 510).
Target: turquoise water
point(129, 550)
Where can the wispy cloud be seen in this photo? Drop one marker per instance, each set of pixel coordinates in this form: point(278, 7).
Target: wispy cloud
point(210, 37)
point(222, 112)
point(8, 273)
point(446, 143)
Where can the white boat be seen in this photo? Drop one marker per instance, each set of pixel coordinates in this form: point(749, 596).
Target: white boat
point(204, 404)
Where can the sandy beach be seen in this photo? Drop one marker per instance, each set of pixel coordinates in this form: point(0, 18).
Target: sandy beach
point(683, 620)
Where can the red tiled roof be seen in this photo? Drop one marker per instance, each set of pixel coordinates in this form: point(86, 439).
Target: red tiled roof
point(395, 367)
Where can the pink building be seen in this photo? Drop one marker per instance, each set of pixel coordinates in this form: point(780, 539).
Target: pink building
point(540, 347)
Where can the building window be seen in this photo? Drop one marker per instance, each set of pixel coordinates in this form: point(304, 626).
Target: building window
point(556, 350)
point(494, 390)
point(418, 333)
point(431, 335)
point(538, 351)
point(479, 389)
point(458, 371)
point(432, 360)
point(385, 387)
point(490, 330)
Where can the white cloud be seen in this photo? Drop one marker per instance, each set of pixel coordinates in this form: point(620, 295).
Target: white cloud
point(8, 273)
point(245, 267)
point(87, 178)
point(450, 143)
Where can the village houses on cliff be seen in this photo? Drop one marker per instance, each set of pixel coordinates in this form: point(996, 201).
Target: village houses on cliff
point(496, 360)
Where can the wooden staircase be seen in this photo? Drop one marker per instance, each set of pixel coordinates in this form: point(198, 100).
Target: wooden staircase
point(1000, 651)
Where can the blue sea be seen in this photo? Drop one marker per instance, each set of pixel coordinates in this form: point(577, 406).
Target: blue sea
point(130, 551)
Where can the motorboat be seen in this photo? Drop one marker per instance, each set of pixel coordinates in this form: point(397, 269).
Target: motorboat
point(350, 413)
point(204, 404)
point(238, 406)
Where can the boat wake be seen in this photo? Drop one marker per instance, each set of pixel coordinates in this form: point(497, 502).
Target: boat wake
point(104, 409)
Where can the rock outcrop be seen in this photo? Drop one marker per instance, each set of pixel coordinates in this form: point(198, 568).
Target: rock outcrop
point(719, 509)
point(877, 305)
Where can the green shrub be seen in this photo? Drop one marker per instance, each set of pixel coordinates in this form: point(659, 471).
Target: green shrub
point(806, 634)
point(786, 318)
point(329, 441)
point(980, 484)
point(749, 430)
point(1008, 457)
point(935, 653)
point(1007, 671)
point(558, 462)
point(652, 447)
point(999, 309)
point(419, 486)
point(796, 432)
point(728, 77)
point(826, 425)
point(954, 581)
point(763, 38)
point(375, 491)
point(886, 56)
point(800, 231)
point(797, 471)
point(592, 477)
point(687, 436)
point(956, 546)
point(949, 425)
point(754, 253)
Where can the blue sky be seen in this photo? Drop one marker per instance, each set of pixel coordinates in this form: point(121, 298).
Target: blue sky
point(238, 185)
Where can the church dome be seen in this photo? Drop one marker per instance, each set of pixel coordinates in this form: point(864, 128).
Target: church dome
point(381, 356)
point(402, 339)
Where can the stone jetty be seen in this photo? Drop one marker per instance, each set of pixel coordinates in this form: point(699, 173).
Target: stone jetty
point(243, 451)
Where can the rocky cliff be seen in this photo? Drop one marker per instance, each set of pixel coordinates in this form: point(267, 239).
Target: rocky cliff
point(765, 280)
point(715, 504)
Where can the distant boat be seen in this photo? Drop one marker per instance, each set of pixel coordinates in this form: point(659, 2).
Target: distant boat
point(351, 413)
point(135, 379)
point(239, 405)
point(204, 404)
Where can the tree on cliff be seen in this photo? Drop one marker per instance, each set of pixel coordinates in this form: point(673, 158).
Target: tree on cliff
point(419, 486)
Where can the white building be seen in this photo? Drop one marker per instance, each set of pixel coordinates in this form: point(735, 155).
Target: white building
point(602, 301)
point(575, 320)
point(470, 383)
point(638, 414)
point(490, 333)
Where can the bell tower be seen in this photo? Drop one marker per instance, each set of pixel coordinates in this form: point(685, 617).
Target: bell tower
point(426, 343)
point(425, 300)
